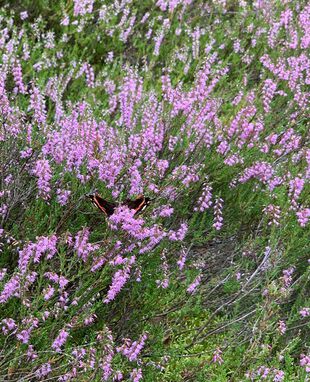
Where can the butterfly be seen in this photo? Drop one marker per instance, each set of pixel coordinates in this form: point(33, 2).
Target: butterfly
point(108, 208)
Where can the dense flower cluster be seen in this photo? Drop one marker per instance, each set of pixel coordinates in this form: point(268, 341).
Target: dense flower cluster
point(131, 349)
point(60, 340)
point(43, 172)
point(218, 219)
point(193, 286)
point(119, 280)
point(205, 200)
point(81, 245)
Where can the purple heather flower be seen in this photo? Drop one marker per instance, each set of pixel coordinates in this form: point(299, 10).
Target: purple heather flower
point(217, 356)
point(303, 216)
point(31, 354)
point(136, 375)
point(60, 340)
point(273, 212)
point(131, 349)
point(180, 234)
point(43, 370)
point(43, 172)
point(279, 376)
point(11, 288)
point(63, 196)
point(82, 7)
point(268, 90)
point(261, 170)
point(193, 286)
point(48, 292)
point(119, 280)
point(218, 215)
point(90, 319)
point(305, 362)
point(304, 312)
point(106, 365)
point(123, 217)
point(8, 324)
point(287, 276)
point(37, 104)
point(23, 15)
point(81, 245)
point(18, 77)
point(281, 327)
point(205, 200)
point(24, 336)
point(182, 259)
point(165, 211)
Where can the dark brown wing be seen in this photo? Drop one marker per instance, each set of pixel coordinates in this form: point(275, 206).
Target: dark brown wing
point(104, 206)
point(138, 204)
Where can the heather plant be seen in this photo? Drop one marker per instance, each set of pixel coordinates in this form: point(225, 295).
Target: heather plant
point(202, 107)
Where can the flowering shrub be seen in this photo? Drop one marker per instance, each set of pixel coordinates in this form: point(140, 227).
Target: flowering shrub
point(202, 107)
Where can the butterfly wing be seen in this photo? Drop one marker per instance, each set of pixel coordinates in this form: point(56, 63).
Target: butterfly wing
point(139, 204)
point(104, 206)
